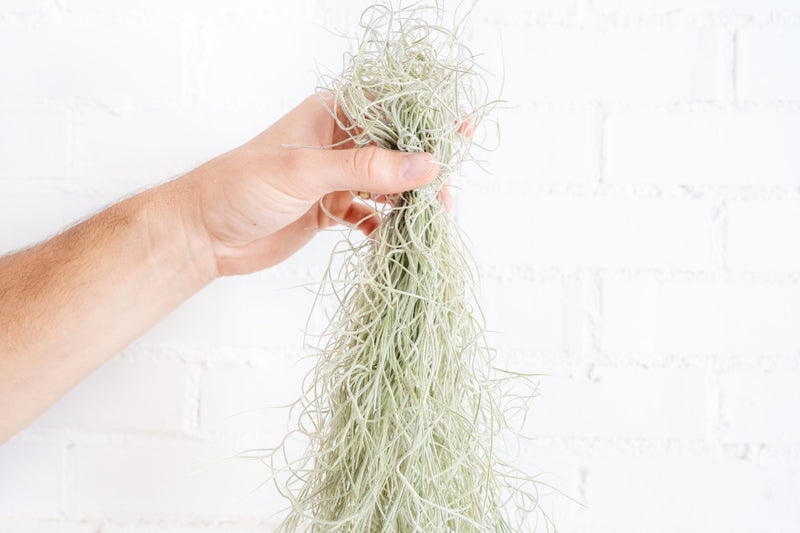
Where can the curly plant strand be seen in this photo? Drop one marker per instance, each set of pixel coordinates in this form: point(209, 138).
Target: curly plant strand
point(403, 412)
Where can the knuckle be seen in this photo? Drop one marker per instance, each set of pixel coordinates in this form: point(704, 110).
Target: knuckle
point(366, 162)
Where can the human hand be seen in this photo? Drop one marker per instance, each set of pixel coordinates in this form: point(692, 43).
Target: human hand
point(258, 204)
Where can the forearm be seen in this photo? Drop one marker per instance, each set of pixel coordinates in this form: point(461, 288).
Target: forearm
point(69, 304)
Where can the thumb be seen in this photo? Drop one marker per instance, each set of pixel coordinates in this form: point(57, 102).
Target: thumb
point(369, 169)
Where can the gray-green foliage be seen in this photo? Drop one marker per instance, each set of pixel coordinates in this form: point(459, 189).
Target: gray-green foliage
point(403, 410)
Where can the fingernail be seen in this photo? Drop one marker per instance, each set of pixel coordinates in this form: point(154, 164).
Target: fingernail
point(415, 166)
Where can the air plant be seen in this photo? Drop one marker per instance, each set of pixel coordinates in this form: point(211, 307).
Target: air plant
point(404, 412)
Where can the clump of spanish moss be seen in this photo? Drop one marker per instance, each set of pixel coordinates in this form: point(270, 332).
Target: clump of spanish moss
point(403, 412)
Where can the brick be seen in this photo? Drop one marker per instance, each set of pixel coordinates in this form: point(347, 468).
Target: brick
point(259, 310)
point(200, 528)
point(45, 525)
point(513, 10)
point(25, 7)
point(744, 148)
point(151, 144)
point(505, 52)
point(662, 6)
point(247, 400)
point(89, 59)
point(661, 493)
point(34, 142)
point(696, 318)
point(623, 403)
point(768, 66)
point(563, 231)
point(32, 478)
point(240, 12)
point(544, 145)
point(125, 394)
point(523, 314)
point(652, 65)
point(763, 235)
point(230, 72)
point(758, 406)
point(538, 316)
point(162, 480)
point(559, 477)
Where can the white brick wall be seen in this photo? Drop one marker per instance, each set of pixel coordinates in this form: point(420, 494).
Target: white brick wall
point(724, 6)
point(768, 68)
point(623, 64)
point(158, 480)
point(745, 148)
point(700, 318)
point(591, 230)
point(624, 403)
point(33, 478)
point(749, 395)
point(662, 493)
point(146, 395)
point(26, 133)
point(763, 235)
point(638, 240)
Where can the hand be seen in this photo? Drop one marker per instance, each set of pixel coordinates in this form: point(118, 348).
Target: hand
point(70, 303)
point(258, 204)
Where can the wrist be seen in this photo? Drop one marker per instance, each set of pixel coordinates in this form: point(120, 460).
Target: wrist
point(181, 246)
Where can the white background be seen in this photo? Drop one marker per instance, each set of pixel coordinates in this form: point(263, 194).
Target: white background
point(639, 242)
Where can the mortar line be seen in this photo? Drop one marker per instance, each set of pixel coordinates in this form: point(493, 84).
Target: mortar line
point(735, 66)
point(724, 234)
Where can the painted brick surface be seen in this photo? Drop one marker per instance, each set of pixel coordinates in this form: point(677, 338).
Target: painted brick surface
point(560, 146)
point(237, 400)
point(637, 240)
point(629, 494)
point(32, 480)
point(87, 59)
point(768, 69)
point(730, 6)
point(165, 481)
point(591, 231)
point(749, 401)
point(700, 319)
point(51, 525)
point(26, 134)
point(615, 64)
point(136, 395)
point(745, 148)
point(613, 403)
point(763, 236)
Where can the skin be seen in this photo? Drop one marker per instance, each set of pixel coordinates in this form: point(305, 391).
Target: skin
point(69, 304)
